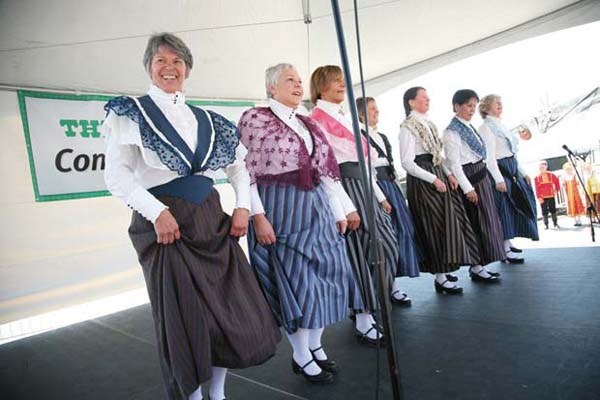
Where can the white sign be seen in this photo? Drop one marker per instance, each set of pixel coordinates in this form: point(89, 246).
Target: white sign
point(66, 149)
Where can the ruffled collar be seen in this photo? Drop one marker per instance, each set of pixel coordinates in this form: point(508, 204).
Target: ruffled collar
point(160, 96)
point(284, 112)
point(421, 117)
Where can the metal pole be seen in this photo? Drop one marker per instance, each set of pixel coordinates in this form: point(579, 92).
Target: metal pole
point(376, 248)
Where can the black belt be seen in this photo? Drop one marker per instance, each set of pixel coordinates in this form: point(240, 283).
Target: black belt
point(350, 170)
point(477, 176)
point(385, 173)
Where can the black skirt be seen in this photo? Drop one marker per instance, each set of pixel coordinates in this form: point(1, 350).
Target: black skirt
point(207, 306)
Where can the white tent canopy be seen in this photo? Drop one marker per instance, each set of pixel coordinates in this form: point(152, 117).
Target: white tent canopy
point(91, 46)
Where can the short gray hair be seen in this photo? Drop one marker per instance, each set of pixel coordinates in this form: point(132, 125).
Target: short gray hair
point(486, 103)
point(272, 75)
point(171, 41)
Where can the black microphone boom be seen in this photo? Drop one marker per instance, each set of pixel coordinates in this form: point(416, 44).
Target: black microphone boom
point(376, 246)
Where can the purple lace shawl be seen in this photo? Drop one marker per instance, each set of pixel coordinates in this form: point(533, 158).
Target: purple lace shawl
point(278, 156)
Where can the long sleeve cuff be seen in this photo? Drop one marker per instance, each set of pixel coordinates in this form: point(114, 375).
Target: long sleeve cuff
point(256, 206)
point(145, 203)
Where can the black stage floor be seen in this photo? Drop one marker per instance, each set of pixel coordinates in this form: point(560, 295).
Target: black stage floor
point(534, 336)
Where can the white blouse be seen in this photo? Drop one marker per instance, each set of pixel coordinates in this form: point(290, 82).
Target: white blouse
point(497, 148)
point(411, 146)
point(340, 202)
point(459, 153)
point(132, 169)
point(335, 110)
point(374, 134)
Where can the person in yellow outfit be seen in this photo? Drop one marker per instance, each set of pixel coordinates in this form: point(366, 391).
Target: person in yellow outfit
point(592, 185)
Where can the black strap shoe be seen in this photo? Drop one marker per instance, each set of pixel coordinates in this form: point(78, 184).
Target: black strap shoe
point(363, 338)
point(515, 250)
point(440, 288)
point(478, 278)
point(405, 301)
point(515, 260)
point(451, 278)
point(326, 364)
point(323, 378)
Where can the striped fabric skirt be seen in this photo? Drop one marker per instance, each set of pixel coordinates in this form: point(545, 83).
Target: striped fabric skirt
point(515, 223)
point(305, 275)
point(358, 244)
point(484, 216)
point(402, 223)
point(207, 306)
point(442, 228)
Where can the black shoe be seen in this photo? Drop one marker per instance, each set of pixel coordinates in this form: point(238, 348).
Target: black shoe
point(496, 274)
point(322, 378)
point(363, 338)
point(326, 365)
point(478, 278)
point(451, 278)
point(515, 260)
point(440, 288)
point(515, 250)
point(404, 301)
point(546, 228)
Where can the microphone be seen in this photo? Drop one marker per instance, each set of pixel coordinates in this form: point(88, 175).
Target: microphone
point(568, 150)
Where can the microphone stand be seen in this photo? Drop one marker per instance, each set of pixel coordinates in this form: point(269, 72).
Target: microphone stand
point(375, 243)
point(591, 209)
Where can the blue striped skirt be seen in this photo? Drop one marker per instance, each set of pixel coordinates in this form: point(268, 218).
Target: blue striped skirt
point(408, 264)
point(514, 222)
point(305, 275)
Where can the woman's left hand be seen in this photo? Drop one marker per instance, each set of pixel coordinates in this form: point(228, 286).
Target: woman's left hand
point(239, 222)
point(386, 206)
point(453, 182)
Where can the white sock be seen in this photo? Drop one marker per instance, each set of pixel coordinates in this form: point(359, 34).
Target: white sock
point(301, 353)
point(217, 383)
point(479, 270)
point(442, 280)
point(197, 395)
point(314, 342)
point(507, 246)
point(510, 254)
point(364, 322)
point(396, 292)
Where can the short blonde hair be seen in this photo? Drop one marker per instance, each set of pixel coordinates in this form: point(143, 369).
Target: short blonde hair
point(321, 78)
point(486, 103)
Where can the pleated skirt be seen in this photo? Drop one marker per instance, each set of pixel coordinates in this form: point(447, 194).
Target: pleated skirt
point(207, 305)
point(442, 228)
point(514, 222)
point(408, 264)
point(305, 275)
point(484, 216)
point(359, 249)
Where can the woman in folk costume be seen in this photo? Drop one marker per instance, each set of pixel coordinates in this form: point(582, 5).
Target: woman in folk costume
point(402, 222)
point(162, 155)
point(575, 208)
point(465, 156)
point(442, 228)
point(513, 196)
point(592, 185)
point(327, 89)
point(299, 216)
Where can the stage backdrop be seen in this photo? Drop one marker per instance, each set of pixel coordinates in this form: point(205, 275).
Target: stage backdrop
point(64, 144)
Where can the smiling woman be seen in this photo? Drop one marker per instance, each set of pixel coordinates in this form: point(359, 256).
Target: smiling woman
point(162, 159)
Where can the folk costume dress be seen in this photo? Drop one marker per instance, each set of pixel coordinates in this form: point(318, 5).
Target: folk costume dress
point(338, 132)
point(517, 206)
point(575, 206)
point(207, 305)
point(402, 222)
point(442, 228)
point(466, 155)
point(592, 184)
point(305, 275)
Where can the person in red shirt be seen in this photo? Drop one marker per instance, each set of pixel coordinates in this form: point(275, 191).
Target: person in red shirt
point(546, 187)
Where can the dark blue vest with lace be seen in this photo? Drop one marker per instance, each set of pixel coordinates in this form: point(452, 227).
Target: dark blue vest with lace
point(468, 136)
point(217, 141)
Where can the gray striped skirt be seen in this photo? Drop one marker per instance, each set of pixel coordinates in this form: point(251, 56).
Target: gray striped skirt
point(442, 228)
point(207, 306)
point(484, 216)
point(305, 275)
point(358, 241)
